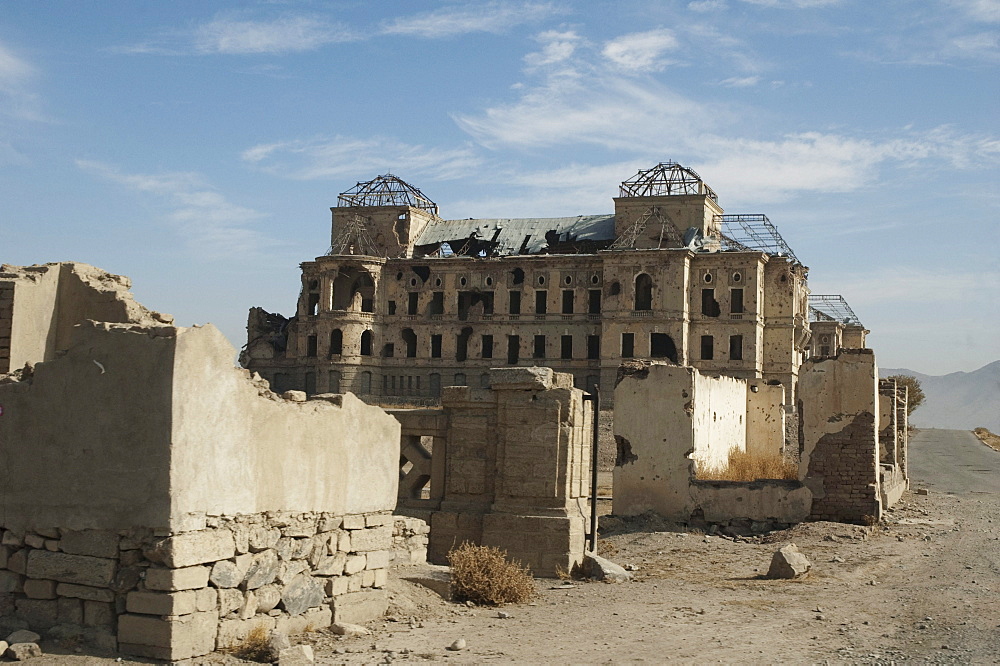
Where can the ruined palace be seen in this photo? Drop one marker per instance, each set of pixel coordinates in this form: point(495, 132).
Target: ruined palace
point(405, 302)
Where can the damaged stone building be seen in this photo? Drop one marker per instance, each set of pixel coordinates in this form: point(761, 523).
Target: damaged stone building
point(405, 302)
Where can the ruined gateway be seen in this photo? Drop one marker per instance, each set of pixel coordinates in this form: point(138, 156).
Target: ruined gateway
point(405, 302)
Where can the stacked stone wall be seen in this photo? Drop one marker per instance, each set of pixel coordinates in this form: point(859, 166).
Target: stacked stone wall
point(845, 460)
point(182, 595)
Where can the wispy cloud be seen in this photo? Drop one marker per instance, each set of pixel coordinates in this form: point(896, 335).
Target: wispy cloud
point(793, 4)
point(492, 17)
point(984, 11)
point(233, 35)
point(557, 47)
point(707, 5)
point(211, 225)
point(641, 51)
point(336, 157)
point(740, 81)
point(17, 100)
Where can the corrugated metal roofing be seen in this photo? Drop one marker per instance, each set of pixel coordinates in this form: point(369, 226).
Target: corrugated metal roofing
point(513, 231)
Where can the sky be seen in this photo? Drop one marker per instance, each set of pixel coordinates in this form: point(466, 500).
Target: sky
point(198, 146)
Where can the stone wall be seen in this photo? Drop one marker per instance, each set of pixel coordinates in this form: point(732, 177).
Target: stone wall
point(838, 410)
point(509, 467)
point(159, 499)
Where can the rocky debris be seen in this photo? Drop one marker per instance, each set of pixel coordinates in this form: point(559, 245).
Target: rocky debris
point(22, 651)
point(23, 636)
point(299, 655)
point(457, 645)
point(788, 562)
point(596, 567)
point(277, 642)
point(348, 629)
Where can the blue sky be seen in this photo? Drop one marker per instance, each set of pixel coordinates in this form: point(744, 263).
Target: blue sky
point(197, 147)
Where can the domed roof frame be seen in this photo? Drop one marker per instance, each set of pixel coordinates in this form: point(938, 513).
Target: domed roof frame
point(666, 179)
point(386, 190)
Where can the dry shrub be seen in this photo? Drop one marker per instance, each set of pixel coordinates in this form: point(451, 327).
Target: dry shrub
point(483, 575)
point(988, 438)
point(748, 466)
point(256, 646)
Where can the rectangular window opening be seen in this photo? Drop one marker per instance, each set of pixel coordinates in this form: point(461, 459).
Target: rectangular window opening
point(436, 346)
point(412, 303)
point(515, 302)
point(539, 348)
point(707, 348)
point(487, 346)
point(628, 345)
point(566, 347)
point(567, 301)
point(594, 301)
point(541, 301)
point(513, 348)
point(593, 347)
point(736, 347)
point(736, 301)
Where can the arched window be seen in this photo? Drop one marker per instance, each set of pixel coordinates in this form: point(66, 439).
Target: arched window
point(643, 292)
point(366, 343)
point(336, 342)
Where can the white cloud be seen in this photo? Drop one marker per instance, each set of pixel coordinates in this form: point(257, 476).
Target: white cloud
point(641, 51)
point(233, 35)
point(984, 11)
point(293, 33)
point(336, 157)
point(557, 47)
point(740, 81)
point(793, 4)
point(707, 5)
point(17, 100)
point(211, 226)
point(493, 17)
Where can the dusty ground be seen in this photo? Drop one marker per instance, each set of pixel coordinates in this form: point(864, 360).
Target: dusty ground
point(919, 588)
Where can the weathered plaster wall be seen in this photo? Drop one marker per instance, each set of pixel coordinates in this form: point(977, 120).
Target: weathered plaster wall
point(153, 427)
point(839, 426)
point(765, 430)
point(718, 419)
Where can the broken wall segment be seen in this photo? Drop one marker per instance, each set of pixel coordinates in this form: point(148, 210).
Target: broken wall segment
point(40, 305)
point(509, 468)
point(838, 412)
point(144, 466)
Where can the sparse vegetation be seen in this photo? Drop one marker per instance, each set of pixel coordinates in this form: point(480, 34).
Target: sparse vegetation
point(748, 466)
point(915, 395)
point(256, 646)
point(988, 438)
point(484, 575)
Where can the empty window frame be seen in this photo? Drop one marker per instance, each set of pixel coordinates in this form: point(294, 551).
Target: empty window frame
point(412, 303)
point(312, 346)
point(410, 340)
point(567, 301)
point(593, 347)
point(643, 292)
point(436, 345)
point(462, 344)
point(709, 306)
point(541, 301)
point(437, 303)
point(735, 347)
point(513, 349)
point(538, 351)
point(736, 301)
point(566, 347)
point(594, 301)
point(662, 345)
point(514, 302)
point(628, 345)
point(336, 342)
point(707, 348)
point(487, 346)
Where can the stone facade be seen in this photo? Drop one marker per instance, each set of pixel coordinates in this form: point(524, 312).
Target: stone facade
point(405, 303)
point(507, 466)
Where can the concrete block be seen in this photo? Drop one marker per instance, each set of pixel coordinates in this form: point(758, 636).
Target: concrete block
point(66, 568)
point(169, 580)
point(41, 614)
point(378, 559)
point(162, 603)
point(96, 543)
point(40, 589)
point(360, 607)
point(375, 538)
point(69, 611)
point(354, 522)
point(189, 548)
point(168, 638)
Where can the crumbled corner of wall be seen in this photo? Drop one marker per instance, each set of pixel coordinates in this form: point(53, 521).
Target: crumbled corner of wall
point(634, 368)
point(118, 287)
point(20, 375)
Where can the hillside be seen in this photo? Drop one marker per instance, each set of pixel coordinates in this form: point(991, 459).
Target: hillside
point(960, 400)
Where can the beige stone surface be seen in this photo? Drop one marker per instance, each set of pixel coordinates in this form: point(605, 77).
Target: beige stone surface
point(169, 580)
point(65, 568)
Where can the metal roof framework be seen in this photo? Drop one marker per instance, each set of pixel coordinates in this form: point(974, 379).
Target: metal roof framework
point(666, 179)
point(753, 232)
point(630, 237)
point(832, 307)
point(386, 190)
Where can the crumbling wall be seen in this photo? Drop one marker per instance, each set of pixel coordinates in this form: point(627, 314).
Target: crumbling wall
point(838, 410)
point(765, 427)
point(657, 427)
point(157, 498)
point(40, 305)
point(509, 469)
point(718, 418)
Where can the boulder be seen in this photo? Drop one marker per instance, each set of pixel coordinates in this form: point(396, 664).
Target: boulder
point(598, 568)
point(788, 562)
point(23, 651)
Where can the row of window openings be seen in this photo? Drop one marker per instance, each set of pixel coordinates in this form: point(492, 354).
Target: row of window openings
point(462, 348)
point(661, 346)
point(468, 299)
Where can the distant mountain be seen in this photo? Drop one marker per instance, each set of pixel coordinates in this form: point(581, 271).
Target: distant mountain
point(961, 400)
